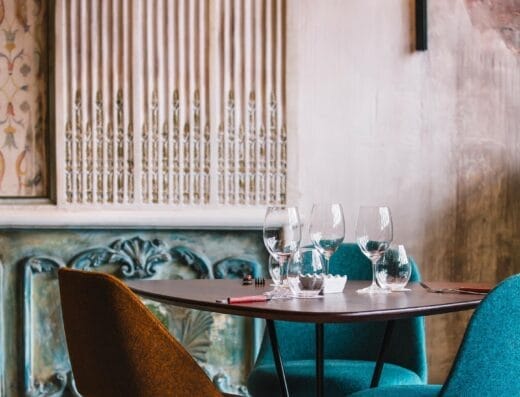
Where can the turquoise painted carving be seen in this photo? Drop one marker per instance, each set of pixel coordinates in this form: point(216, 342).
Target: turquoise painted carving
point(191, 327)
point(92, 258)
point(138, 257)
point(38, 273)
point(236, 268)
point(196, 261)
point(46, 366)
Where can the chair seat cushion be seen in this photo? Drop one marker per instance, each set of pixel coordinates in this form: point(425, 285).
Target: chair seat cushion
point(400, 391)
point(342, 377)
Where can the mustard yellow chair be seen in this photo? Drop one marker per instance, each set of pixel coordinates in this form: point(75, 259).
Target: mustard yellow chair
point(117, 347)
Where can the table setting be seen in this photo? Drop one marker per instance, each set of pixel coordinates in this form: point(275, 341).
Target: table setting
point(306, 287)
point(303, 271)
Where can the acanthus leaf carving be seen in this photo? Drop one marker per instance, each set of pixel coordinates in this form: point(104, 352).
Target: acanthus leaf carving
point(196, 261)
point(41, 264)
point(91, 259)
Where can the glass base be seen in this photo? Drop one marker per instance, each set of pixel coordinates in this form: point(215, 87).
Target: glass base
point(373, 289)
point(280, 291)
point(308, 294)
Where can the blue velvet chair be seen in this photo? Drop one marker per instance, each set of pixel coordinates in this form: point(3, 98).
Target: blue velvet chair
point(488, 361)
point(350, 349)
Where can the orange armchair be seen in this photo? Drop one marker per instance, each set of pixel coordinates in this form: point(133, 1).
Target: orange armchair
point(117, 347)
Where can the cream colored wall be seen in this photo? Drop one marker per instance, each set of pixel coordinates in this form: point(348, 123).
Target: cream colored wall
point(433, 134)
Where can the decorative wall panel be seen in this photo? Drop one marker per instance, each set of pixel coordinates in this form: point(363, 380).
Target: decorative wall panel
point(44, 338)
point(23, 98)
point(171, 102)
point(252, 153)
point(36, 358)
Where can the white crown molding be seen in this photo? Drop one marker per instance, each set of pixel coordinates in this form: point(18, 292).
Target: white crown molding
point(49, 216)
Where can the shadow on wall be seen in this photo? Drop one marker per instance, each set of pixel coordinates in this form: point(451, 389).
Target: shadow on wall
point(475, 239)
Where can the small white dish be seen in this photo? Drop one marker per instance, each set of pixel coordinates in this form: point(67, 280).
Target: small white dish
point(334, 284)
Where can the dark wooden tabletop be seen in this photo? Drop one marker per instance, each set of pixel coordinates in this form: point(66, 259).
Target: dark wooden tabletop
point(348, 306)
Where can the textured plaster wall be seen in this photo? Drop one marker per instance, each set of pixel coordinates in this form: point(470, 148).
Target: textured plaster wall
point(433, 134)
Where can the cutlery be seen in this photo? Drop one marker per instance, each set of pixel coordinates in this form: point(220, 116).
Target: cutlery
point(245, 299)
point(452, 290)
point(259, 282)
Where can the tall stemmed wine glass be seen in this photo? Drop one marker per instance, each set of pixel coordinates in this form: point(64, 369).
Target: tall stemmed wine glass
point(327, 229)
point(374, 233)
point(282, 235)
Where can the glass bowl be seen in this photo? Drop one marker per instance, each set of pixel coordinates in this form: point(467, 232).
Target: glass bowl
point(393, 269)
point(305, 273)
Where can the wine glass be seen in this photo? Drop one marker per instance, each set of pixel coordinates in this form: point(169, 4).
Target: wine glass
point(305, 275)
point(393, 269)
point(275, 271)
point(327, 229)
point(282, 235)
point(374, 233)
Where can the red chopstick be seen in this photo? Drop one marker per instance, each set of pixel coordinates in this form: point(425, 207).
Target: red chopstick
point(245, 299)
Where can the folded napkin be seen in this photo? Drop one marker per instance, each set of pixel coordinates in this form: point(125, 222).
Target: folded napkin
point(475, 289)
point(462, 286)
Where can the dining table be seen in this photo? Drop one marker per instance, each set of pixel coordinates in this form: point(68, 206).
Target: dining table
point(344, 307)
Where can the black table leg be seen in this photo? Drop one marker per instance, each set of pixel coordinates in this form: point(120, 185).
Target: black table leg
point(381, 357)
point(319, 360)
point(277, 358)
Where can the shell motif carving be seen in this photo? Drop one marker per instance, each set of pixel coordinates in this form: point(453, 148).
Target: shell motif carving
point(190, 327)
point(138, 257)
point(193, 332)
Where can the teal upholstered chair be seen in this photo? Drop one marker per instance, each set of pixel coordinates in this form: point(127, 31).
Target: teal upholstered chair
point(350, 349)
point(488, 361)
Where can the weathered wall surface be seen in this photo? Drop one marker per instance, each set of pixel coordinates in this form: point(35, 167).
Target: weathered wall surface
point(33, 356)
point(433, 134)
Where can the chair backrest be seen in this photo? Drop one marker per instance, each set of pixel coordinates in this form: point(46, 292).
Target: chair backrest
point(360, 341)
point(488, 360)
point(117, 347)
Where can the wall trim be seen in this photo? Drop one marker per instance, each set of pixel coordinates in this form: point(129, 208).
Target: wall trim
point(186, 218)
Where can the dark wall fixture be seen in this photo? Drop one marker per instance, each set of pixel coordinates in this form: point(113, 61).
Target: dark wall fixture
point(421, 25)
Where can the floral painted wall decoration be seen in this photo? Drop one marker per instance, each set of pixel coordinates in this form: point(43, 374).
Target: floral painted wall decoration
point(23, 103)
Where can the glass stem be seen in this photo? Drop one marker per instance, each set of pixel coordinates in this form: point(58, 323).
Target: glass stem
point(326, 261)
point(374, 283)
point(283, 269)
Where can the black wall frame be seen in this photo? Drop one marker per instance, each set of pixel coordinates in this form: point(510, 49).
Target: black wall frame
point(421, 25)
